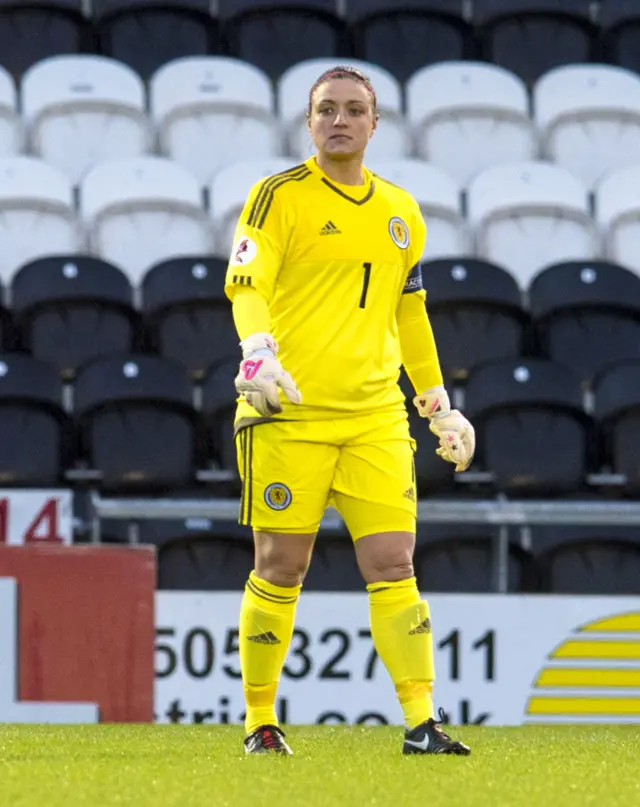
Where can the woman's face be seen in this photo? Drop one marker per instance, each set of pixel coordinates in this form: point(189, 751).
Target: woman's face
point(342, 118)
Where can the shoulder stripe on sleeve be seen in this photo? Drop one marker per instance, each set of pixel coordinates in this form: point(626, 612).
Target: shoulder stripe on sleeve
point(264, 197)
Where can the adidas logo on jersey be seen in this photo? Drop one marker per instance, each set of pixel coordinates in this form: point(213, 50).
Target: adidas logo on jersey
point(330, 229)
point(264, 638)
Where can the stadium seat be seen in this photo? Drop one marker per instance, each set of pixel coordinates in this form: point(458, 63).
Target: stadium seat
point(438, 195)
point(212, 112)
point(334, 566)
point(276, 34)
point(145, 34)
point(587, 315)
point(228, 194)
point(218, 410)
point(37, 29)
point(589, 117)
point(391, 139)
point(467, 116)
point(476, 312)
point(617, 206)
point(617, 408)
point(532, 432)
point(136, 423)
point(601, 566)
point(529, 215)
point(38, 216)
point(34, 430)
point(620, 31)
point(403, 37)
point(530, 37)
point(466, 565)
point(205, 563)
point(188, 314)
point(84, 110)
point(141, 211)
point(72, 309)
point(10, 124)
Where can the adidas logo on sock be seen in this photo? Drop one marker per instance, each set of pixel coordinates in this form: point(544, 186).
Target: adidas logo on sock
point(330, 229)
point(423, 627)
point(410, 494)
point(264, 638)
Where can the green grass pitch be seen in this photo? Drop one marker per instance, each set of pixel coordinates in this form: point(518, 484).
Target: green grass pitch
point(203, 766)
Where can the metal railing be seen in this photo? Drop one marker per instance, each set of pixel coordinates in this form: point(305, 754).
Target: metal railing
point(502, 513)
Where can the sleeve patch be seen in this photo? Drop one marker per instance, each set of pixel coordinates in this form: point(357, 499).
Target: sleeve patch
point(243, 252)
point(414, 280)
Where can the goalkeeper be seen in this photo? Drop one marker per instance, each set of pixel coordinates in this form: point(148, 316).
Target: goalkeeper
point(328, 302)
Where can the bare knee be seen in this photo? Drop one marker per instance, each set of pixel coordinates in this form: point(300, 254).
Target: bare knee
point(282, 559)
point(386, 556)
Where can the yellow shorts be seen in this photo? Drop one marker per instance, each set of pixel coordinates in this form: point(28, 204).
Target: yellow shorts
point(293, 470)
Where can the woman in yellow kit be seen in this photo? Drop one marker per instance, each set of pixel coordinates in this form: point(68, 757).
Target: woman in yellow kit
point(327, 296)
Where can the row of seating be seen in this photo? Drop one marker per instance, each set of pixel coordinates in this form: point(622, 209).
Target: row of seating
point(69, 310)
point(133, 422)
point(206, 113)
point(526, 36)
point(447, 560)
point(137, 212)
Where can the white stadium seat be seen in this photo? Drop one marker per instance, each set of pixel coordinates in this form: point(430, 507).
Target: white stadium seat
point(589, 116)
point(141, 211)
point(390, 140)
point(10, 128)
point(229, 192)
point(37, 216)
point(468, 116)
point(84, 110)
point(213, 111)
point(618, 213)
point(438, 195)
point(529, 215)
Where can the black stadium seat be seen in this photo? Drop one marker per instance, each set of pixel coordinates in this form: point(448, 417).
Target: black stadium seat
point(34, 430)
point(532, 431)
point(31, 30)
point(136, 422)
point(617, 407)
point(72, 309)
point(276, 34)
point(620, 23)
point(205, 563)
point(587, 315)
point(597, 566)
point(467, 565)
point(187, 313)
point(476, 311)
point(405, 36)
point(530, 37)
point(334, 566)
point(218, 410)
point(145, 34)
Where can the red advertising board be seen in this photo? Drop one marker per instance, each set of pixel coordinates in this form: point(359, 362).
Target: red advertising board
point(86, 626)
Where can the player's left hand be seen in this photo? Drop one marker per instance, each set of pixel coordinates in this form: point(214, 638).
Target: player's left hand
point(456, 434)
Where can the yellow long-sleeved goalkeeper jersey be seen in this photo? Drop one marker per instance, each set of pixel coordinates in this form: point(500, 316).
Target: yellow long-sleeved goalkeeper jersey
point(332, 262)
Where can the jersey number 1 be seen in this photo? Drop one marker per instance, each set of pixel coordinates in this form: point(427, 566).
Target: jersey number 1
point(365, 284)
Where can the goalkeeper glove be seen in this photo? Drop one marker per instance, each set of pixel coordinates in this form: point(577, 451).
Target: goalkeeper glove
point(261, 374)
point(456, 434)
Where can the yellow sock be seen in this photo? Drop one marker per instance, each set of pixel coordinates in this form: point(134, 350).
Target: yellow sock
point(401, 630)
point(266, 627)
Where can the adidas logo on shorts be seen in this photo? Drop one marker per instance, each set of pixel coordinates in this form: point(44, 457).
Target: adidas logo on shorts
point(330, 229)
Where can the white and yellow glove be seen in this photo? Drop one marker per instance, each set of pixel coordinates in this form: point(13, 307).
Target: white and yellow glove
point(261, 376)
point(456, 434)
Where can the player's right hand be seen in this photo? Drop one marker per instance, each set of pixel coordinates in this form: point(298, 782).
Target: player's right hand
point(261, 376)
